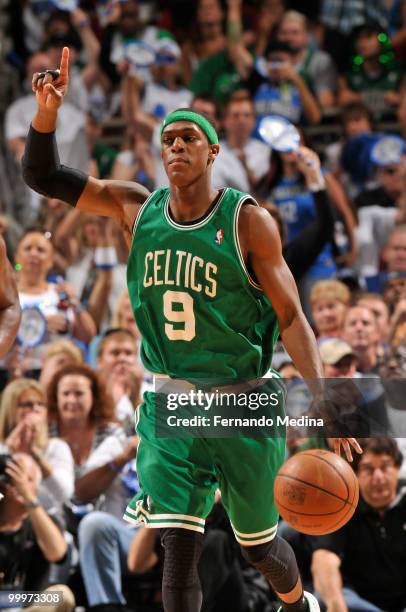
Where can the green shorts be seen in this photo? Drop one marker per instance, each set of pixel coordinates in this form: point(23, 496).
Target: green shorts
point(179, 476)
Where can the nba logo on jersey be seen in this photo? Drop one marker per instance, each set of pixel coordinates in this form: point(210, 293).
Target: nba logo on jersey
point(219, 236)
point(149, 502)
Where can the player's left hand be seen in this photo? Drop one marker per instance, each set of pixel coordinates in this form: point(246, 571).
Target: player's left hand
point(346, 443)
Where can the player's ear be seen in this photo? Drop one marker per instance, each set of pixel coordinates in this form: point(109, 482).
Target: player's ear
point(214, 151)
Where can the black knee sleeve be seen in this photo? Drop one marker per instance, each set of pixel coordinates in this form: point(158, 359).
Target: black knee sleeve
point(182, 552)
point(276, 561)
point(181, 590)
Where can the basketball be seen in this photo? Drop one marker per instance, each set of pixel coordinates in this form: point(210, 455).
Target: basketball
point(316, 492)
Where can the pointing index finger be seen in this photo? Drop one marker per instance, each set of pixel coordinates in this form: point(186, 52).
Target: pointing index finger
point(64, 67)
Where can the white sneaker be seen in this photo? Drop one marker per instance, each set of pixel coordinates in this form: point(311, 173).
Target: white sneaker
point(312, 603)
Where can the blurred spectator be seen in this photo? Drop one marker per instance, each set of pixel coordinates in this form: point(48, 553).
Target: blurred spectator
point(286, 186)
point(376, 235)
point(314, 66)
point(354, 171)
point(374, 77)
point(380, 209)
point(338, 358)
point(338, 19)
point(389, 176)
point(102, 156)
point(361, 331)
point(219, 74)
point(206, 35)
point(24, 429)
point(117, 364)
point(83, 414)
point(57, 355)
point(30, 536)
point(242, 160)
point(50, 310)
point(92, 245)
point(301, 252)
point(162, 95)
point(376, 303)
point(123, 316)
point(277, 86)
point(329, 301)
point(393, 373)
point(125, 43)
point(50, 215)
point(395, 250)
point(361, 566)
point(71, 138)
point(136, 162)
point(10, 310)
point(394, 289)
point(269, 17)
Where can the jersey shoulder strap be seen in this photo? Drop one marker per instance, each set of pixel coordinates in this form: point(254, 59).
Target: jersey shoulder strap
point(155, 197)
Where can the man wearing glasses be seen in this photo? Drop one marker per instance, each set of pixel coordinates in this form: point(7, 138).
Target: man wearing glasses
point(361, 566)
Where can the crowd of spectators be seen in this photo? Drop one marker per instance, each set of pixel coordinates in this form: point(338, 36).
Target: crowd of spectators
point(71, 384)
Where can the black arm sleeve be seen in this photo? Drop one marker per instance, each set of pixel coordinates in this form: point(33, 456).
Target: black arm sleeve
point(301, 253)
point(43, 172)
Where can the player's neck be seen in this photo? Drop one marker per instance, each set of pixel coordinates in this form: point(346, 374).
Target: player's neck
point(191, 201)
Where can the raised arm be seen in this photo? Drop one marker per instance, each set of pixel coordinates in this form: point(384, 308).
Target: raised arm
point(262, 250)
point(44, 173)
point(10, 311)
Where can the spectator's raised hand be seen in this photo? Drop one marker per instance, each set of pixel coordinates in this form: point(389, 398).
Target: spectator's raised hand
point(20, 439)
point(285, 72)
point(20, 479)
point(50, 93)
point(308, 163)
point(79, 18)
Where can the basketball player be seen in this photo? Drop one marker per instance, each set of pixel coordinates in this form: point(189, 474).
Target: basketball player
point(208, 286)
point(10, 311)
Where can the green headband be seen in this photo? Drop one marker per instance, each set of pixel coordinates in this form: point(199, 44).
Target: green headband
point(186, 115)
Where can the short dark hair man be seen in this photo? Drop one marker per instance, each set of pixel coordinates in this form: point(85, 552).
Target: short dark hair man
point(362, 565)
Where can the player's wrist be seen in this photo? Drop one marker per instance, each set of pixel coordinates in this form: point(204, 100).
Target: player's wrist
point(45, 120)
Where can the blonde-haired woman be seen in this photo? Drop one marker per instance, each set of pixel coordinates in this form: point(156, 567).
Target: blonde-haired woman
point(24, 429)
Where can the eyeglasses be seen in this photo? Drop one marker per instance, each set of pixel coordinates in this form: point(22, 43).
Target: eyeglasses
point(31, 405)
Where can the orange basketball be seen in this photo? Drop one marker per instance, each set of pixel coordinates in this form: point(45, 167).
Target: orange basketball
point(316, 491)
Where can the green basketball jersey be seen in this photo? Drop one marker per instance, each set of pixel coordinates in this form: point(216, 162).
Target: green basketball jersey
point(200, 313)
